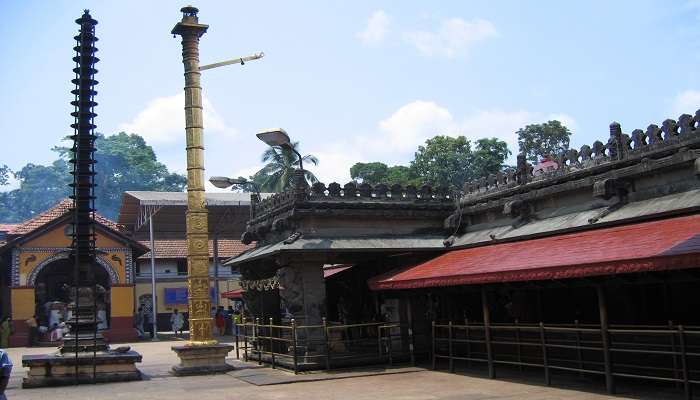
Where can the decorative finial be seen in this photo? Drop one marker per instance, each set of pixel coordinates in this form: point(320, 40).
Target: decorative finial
point(189, 11)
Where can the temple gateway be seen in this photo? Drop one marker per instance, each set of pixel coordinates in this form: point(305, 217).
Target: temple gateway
point(589, 266)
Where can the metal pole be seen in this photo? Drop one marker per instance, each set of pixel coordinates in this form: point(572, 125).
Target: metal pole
point(449, 346)
point(545, 363)
point(411, 339)
point(433, 340)
point(294, 346)
point(517, 341)
point(487, 331)
point(466, 334)
point(673, 350)
point(272, 345)
point(216, 269)
point(154, 302)
point(328, 343)
point(245, 339)
point(578, 347)
point(684, 363)
point(603, 310)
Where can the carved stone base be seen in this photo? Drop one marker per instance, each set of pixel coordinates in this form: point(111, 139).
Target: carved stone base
point(202, 360)
point(59, 369)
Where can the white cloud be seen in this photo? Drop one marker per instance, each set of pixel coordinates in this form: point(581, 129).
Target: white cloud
point(334, 164)
point(453, 37)
point(408, 127)
point(376, 29)
point(163, 120)
point(686, 102)
point(566, 120)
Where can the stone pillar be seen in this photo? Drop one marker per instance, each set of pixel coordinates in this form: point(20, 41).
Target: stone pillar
point(303, 292)
point(202, 354)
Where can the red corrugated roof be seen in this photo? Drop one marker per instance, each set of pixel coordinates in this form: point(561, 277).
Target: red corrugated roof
point(178, 248)
point(672, 243)
point(233, 294)
point(57, 211)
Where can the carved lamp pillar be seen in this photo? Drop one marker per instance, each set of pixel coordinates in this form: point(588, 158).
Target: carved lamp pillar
point(202, 353)
point(197, 228)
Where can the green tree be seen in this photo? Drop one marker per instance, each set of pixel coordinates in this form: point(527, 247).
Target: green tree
point(372, 173)
point(40, 187)
point(402, 175)
point(124, 162)
point(4, 175)
point(375, 173)
point(451, 161)
point(277, 175)
point(443, 161)
point(538, 141)
point(488, 157)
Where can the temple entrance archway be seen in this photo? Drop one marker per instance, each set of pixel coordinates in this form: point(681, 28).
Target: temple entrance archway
point(52, 282)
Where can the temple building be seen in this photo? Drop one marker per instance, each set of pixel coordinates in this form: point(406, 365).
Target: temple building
point(590, 265)
point(37, 274)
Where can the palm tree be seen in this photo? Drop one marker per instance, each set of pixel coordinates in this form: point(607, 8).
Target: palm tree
point(277, 175)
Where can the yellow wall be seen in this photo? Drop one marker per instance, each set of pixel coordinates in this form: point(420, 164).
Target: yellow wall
point(145, 288)
point(57, 238)
point(118, 263)
point(22, 303)
point(122, 301)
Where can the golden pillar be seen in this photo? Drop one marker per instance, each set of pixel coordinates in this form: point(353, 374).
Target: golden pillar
point(197, 227)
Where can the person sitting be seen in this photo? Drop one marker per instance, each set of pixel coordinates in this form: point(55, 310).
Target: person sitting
point(56, 333)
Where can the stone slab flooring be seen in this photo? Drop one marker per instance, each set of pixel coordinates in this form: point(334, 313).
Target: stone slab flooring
point(404, 383)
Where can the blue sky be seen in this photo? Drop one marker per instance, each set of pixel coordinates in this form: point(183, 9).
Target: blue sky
point(351, 80)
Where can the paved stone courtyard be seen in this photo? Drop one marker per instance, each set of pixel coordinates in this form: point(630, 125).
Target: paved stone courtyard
point(372, 383)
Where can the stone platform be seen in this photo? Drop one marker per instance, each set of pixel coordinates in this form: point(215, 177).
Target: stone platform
point(59, 369)
point(201, 359)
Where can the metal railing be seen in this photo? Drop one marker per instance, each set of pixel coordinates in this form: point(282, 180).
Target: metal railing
point(328, 345)
point(667, 353)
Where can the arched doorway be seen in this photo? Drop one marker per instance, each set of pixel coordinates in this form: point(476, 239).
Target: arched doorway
point(51, 292)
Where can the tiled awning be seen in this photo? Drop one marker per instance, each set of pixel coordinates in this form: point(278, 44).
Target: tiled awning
point(672, 243)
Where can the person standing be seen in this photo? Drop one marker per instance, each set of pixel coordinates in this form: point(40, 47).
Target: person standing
point(148, 319)
point(5, 331)
point(177, 321)
point(220, 321)
point(33, 327)
point(5, 370)
point(138, 322)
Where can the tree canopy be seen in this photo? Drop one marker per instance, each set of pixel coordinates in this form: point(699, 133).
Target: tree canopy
point(278, 173)
point(539, 141)
point(376, 172)
point(443, 161)
point(451, 161)
point(124, 162)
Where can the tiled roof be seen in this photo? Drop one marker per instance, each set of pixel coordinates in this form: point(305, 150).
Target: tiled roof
point(7, 227)
point(57, 211)
point(178, 248)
